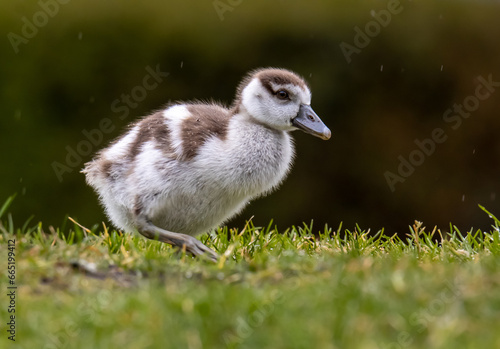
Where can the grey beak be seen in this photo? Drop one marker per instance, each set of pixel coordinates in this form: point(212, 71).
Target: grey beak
point(309, 122)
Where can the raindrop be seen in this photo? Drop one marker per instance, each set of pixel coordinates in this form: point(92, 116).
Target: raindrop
point(463, 198)
point(382, 67)
point(80, 35)
point(310, 75)
point(372, 13)
point(474, 151)
point(493, 196)
point(182, 63)
point(441, 67)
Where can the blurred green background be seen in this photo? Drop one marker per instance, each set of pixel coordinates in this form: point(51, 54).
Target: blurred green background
point(64, 64)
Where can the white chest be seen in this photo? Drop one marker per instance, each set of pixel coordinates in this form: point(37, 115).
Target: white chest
point(252, 160)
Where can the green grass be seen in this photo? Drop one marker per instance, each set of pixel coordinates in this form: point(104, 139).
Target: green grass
point(296, 288)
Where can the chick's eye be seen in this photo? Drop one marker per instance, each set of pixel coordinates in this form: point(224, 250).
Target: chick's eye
point(282, 94)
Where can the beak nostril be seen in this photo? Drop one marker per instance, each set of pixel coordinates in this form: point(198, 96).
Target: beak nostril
point(307, 121)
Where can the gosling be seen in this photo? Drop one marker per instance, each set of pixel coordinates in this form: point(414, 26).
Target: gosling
point(188, 168)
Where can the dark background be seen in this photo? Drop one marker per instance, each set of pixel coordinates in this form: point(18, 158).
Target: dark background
point(85, 54)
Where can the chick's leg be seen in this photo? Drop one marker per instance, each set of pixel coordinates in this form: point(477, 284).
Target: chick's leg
point(190, 243)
